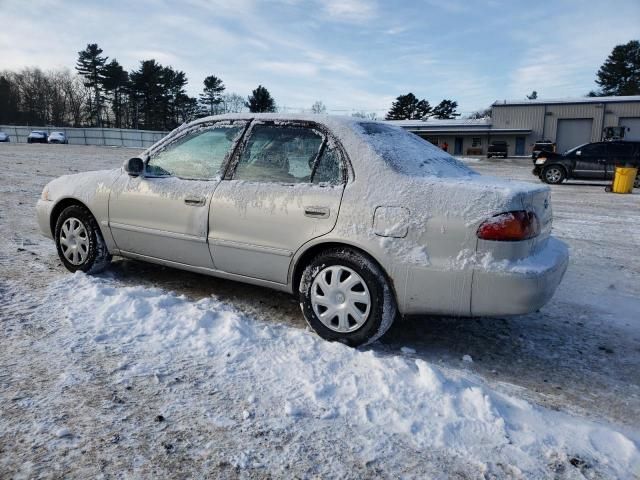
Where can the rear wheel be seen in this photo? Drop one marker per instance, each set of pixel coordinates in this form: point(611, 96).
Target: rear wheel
point(79, 241)
point(346, 297)
point(553, 174)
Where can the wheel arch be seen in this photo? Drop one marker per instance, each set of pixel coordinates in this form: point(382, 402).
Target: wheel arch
point(303, 257)
point(59, 208)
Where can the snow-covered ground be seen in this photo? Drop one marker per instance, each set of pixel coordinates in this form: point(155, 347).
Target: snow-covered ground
point(150, 372)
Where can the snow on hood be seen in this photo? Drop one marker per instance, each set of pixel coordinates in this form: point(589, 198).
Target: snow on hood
point(296, 377)
point(83, 186)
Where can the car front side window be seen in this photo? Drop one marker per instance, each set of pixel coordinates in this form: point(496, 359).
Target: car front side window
point(275, 153)
point(594, 150)
point(198, 155)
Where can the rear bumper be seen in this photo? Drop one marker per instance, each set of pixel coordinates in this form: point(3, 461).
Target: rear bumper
point(515, 288)
point(43, 213)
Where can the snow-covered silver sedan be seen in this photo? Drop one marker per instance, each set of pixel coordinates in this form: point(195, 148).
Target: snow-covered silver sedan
point(364, 221)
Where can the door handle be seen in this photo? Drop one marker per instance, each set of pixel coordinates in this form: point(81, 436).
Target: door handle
point(195, 201)
point(316, 212)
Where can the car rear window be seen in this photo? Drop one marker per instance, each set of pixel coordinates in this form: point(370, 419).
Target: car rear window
point(409, 154)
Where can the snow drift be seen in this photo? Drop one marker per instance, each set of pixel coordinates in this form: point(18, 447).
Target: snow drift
point(298, 378)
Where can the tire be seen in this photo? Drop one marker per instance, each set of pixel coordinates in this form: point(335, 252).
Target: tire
point(553, 175)
point(340, 277)
point(79, 241)
point(636, 182)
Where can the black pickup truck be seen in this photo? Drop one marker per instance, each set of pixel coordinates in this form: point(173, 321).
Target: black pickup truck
point(591, 161)
point(498, 148)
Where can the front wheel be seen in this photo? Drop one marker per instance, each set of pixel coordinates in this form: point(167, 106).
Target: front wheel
point(346, 297)
point(79, 241)
point(553, 175)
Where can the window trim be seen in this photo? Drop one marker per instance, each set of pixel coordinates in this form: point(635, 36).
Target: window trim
point(198, 127)
point(345, 164)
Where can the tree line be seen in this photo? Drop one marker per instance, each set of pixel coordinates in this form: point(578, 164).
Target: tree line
point(101, 93)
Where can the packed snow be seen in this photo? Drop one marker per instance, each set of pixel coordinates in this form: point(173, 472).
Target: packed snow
point(150, 372)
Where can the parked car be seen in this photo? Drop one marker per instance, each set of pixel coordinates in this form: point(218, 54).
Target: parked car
point(498, 148)
point(37, 136)
point(362, 220)
point(58, 137)
point(4, 137)
point(542, 146)
point(591, 161)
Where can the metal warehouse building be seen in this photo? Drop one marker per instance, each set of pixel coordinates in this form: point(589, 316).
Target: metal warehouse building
point(568, 122)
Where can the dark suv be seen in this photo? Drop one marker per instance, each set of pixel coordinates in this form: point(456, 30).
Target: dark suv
point(498, 148)
point(542, 146)
point(591, 161)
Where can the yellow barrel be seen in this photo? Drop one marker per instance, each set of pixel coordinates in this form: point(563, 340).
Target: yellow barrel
point(623, 179)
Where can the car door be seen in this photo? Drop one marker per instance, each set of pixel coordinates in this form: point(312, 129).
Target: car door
point(164, 213)
point(283, 189)
point(591, 160)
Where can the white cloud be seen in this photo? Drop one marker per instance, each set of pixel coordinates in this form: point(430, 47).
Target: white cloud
point(289, 68)
point(564, 60)
point(356, 11)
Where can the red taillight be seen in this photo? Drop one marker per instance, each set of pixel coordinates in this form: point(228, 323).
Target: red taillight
point(510, 227)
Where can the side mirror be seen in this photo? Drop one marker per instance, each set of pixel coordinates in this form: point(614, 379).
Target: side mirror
point(134, 166)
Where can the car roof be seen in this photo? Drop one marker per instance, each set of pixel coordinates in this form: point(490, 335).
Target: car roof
point(341, 126)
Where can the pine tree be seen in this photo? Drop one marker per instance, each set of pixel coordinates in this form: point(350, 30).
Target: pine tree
point(90, 65)
point(174, 95)
point(446, 110)
point(115, 82)
point(620, 73)
point(211, 95)
point(260, 100)
point(408, 107)
point(147, 99)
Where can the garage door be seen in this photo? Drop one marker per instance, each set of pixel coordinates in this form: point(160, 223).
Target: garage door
point(633, 128)
point(573, 132)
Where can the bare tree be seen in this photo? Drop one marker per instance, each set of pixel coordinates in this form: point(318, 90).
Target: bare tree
point(365, 115)
point(318, 108)
point(232, 103)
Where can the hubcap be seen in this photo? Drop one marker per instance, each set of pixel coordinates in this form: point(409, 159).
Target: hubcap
point(554, 175)
point(74, 241)
point(340, 299)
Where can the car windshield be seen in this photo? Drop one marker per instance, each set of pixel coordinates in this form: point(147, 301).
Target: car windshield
point(409, 154)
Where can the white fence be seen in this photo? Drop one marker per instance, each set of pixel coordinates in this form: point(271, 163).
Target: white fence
point(119, 137)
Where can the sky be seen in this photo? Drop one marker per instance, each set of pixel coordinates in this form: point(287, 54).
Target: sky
point(353, 55)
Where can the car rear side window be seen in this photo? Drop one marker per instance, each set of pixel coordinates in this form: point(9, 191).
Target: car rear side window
point(329, 167)
point(621, 150)
point(198, 155)
point(409, 154)
point(277, 153)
